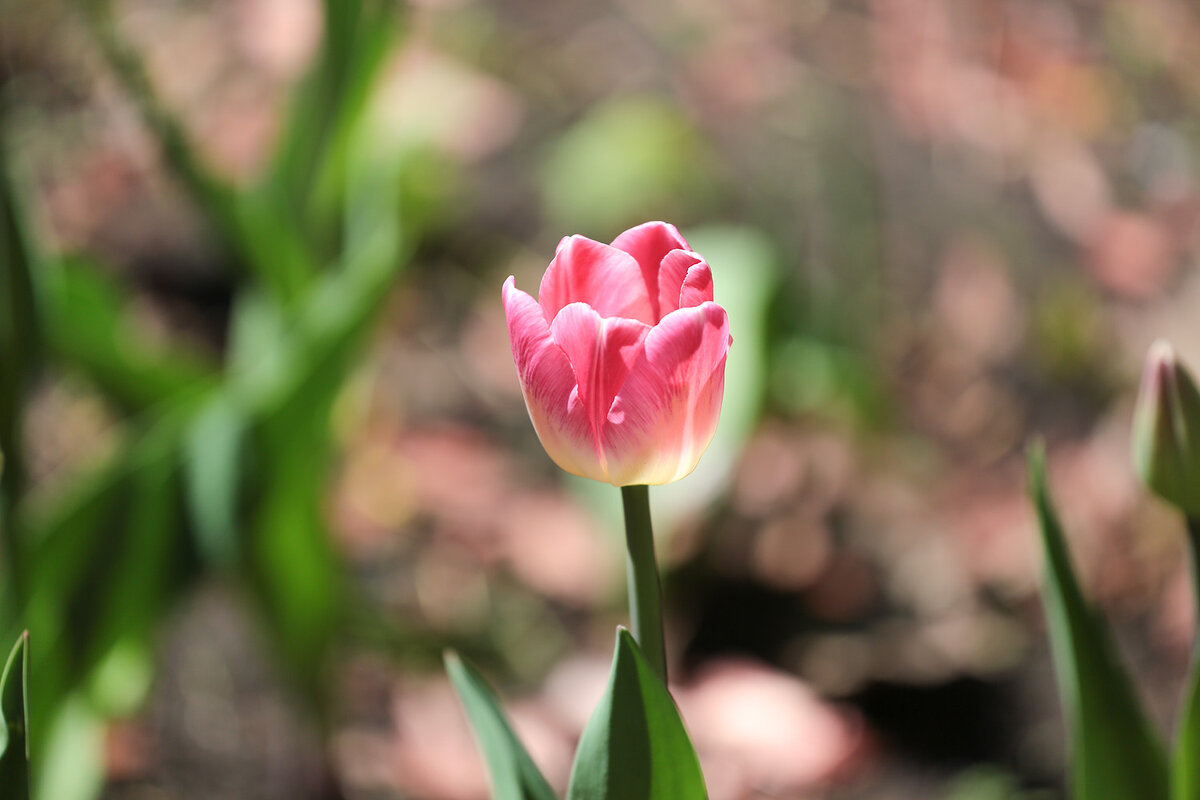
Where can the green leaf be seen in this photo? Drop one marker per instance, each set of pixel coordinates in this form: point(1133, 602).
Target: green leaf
point(306, 183)
point(1185, 768)
point(514, 775)
point(1115, 752)
point(635, 747)
point(70, 759)
point(106, 563)
point(14, 722)
point(89, 327)
point(20, 354)
point(291, 563)
point(213, 475)
point(1185, 772)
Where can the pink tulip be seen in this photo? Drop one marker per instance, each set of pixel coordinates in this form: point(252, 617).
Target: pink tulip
point(622, 356)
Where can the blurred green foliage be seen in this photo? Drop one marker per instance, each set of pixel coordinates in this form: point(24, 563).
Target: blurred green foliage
point(910, 270)
point(220, 466)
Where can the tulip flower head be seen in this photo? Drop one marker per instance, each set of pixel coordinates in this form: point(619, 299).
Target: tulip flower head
point(621, 357)
point(1166, 430)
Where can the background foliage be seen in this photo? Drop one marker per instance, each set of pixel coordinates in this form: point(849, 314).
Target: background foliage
point(265, 454)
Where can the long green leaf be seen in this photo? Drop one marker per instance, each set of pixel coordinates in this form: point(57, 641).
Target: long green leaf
point(106, 563)
point(306, 182)
point(88, 327)
point(1115, 754)
point(291, 562)
point(20, 351)
point(1185, 767)
point(1185, 770)
point(14, 722)
point(514, 775)
point(635, 747)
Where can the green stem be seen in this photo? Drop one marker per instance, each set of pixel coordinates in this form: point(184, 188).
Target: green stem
point(1193, 528)
point(645, 592)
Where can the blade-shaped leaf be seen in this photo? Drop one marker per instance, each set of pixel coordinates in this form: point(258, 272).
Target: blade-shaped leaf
point(635, 747)
point(20, 337)
point(1185, 768)
point(1115, 753)
point(14, 745)
point(291, 562)
point(107, 560)
point(214, 474)
point(87, 325)
point(514, 775)
point(1185, 771)
point(305, 185)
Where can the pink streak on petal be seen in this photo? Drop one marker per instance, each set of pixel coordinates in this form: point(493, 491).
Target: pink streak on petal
point(606, 278)
point(697, 286)
point(548, 384)
point(650, 243)
point(601, 351)
point(666, 413)
point(675, 266)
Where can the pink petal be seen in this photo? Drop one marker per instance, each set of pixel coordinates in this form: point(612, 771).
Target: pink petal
point(601, 351)
point(685, 280)
point(548, 384)
point(666, 413)
point(697, 286)
point(650, 243)
point(671, 275)
point(606, 278)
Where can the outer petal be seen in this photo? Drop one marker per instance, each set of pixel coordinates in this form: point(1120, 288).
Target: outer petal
point(601, 351)
point(666, 413)
point(606, 278)
point(650, 243)
point(548, 383)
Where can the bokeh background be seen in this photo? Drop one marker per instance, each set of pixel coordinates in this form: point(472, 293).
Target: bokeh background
point(266, 455)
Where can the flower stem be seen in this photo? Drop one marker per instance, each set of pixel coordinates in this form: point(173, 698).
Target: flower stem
point(645, 592)
point(1193, 529)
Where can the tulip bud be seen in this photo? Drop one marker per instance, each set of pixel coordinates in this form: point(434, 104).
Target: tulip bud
point(1166, 430)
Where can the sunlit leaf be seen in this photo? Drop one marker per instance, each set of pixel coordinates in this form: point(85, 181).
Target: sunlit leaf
point(514, 775)
point(635, 747)
point(215, 448)
point(69, 764)
point(1115, 754)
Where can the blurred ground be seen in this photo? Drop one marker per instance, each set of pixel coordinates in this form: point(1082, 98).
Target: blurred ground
point(950, 226)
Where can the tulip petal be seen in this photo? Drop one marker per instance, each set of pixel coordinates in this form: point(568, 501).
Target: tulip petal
point(605, 277)
point(666, 413)
point(697, 287)
point(601, 351)
point(548, 384)
point(650, 243)
point(671, 275)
